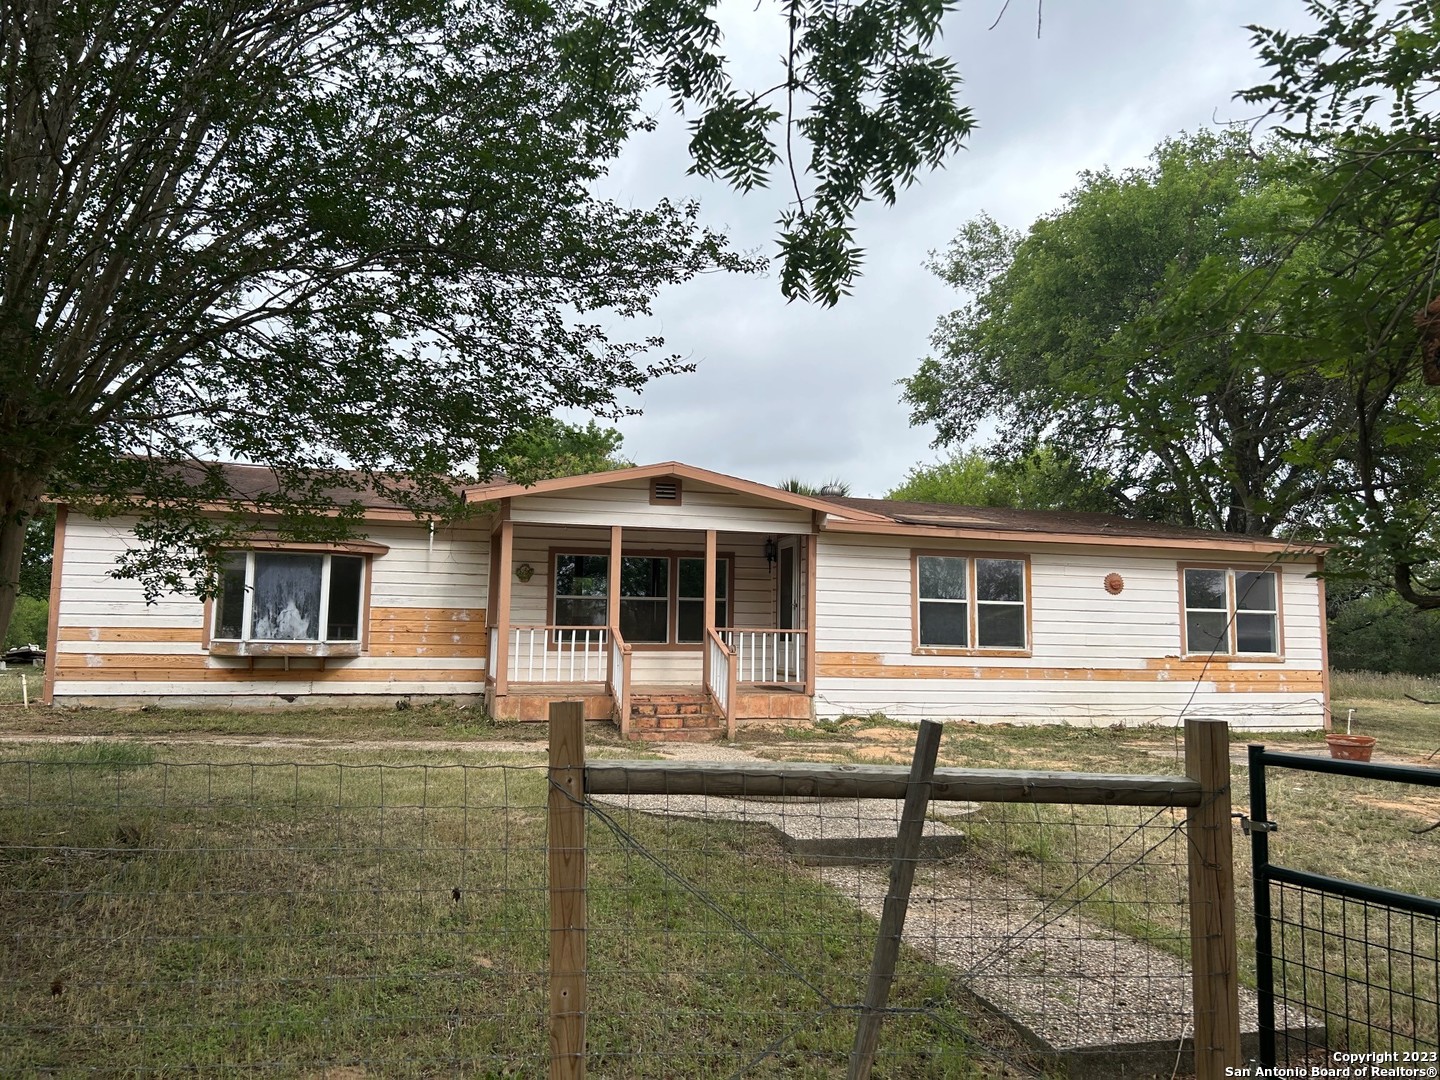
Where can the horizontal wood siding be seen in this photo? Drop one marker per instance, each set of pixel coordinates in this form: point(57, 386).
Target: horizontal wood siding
point(427, 629)
point(1094, 657)
point(628, 504)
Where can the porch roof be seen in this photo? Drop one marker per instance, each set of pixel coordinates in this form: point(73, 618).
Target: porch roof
point(505, 489)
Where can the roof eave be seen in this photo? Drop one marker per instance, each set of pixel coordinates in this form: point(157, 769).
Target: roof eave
point(1267, 545)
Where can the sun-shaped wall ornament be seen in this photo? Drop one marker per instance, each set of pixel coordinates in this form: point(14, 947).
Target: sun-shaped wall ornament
point(1114, 584)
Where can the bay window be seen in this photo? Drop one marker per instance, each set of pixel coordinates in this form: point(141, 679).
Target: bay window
point(289, 597)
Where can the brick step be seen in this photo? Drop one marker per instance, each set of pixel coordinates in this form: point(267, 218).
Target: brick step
point(674, 720)
point(669, 699)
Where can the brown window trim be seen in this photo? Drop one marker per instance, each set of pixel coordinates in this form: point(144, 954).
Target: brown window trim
point(336, 649)
point(673, 599)
point(1232, 567)
point(918, 649)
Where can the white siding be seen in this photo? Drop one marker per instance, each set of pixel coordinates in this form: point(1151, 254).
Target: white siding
point(628, 504)
point(1094, 658)
point(427, 617)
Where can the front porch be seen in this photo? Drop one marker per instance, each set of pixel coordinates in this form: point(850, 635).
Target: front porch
point(715, 624)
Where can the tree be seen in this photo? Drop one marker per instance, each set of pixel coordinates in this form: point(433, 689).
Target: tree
point(1071, 340)
point(314, 234)
point(30, 623)
point(555, 448)
point(1356, 94)
point(1044, 479)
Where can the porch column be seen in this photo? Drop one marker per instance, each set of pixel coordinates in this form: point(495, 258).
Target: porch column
point(709, 605)
point(810, 560)
point(612, 587)
point(504, 556)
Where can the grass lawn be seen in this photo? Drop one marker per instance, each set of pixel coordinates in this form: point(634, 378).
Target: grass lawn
point(199, 904)
point(181, 909)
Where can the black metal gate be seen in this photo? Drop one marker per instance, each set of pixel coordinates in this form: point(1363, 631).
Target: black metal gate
point(1341, 966)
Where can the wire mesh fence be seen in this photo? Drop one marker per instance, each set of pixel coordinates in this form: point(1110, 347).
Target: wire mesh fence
point(165, 918)
point(1038, 938)
point(162, 918)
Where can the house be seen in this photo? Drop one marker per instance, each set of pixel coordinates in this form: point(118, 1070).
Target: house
point(678, 601)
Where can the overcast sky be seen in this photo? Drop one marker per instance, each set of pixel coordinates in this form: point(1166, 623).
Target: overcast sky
point(800, 390)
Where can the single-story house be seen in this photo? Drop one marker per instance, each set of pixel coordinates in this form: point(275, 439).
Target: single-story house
point(678, 601)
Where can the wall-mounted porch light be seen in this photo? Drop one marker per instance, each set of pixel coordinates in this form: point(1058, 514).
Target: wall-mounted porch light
point(771, 553)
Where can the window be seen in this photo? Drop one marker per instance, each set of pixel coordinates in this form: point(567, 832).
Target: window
point(970, 603)
point(662, 597)
point(277, 596)
point(1231, 612)
point(690, 609)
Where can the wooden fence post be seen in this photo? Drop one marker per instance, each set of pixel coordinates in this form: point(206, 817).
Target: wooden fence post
point(568, 920)
point(897, 900)
point(1214, 977)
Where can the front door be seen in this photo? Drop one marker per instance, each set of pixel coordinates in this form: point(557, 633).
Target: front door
point(787, 610)
point(787, 614)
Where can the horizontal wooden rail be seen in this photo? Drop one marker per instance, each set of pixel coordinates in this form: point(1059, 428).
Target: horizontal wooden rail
point(886, 782)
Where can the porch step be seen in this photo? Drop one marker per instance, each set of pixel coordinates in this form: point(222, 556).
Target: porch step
point(674, 716)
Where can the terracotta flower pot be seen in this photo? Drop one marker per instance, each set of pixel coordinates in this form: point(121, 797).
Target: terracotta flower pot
point(1350, 747)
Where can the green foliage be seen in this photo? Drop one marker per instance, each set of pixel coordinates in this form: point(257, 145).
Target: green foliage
point(1384, 633)
point(313, 235)
point(39, 554)
point(1069, 340)
point(1356, 93)
point(554, 448)
point(29, 623)
point(1043, 479)
point(835, 487)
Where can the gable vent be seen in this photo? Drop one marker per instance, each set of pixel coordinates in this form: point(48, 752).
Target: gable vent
point(665, 489)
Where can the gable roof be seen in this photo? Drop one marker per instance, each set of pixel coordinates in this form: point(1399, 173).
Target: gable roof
point(505, 489)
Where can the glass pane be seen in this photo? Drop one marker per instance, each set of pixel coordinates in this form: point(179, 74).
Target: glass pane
point(1000, 626)
point(1206, 632)
point(1205, 589)
point(581, 575)
point(230, 602)
point(690, 620)
point(942, 578)
point(1256, 634)
point(945, 624)
point(287, 597)
point(343, 618)
point(1254, 591)
point(644, 621)
point(999, 579)
point(692, 577)
point(580, 611)
point(644, 576)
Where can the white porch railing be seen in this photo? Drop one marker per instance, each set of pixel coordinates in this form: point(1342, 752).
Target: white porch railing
point(619, 677)
point(557, 654)
point(720, 680)
point(767, 656)
point(492, 653)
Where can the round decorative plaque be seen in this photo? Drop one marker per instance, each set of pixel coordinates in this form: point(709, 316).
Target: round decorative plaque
point(1114, 584)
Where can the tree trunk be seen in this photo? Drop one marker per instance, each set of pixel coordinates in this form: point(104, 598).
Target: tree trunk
point(19, 499)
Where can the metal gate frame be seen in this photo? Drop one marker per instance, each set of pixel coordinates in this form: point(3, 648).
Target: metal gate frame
point(1259, 826)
